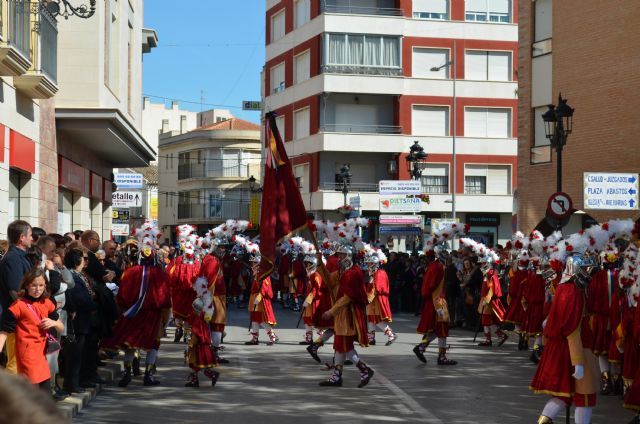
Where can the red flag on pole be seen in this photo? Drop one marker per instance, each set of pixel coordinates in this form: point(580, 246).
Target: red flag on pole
point(283, 211)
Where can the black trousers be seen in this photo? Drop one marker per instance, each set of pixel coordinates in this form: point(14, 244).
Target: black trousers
point(88, 370)
point(72, 357)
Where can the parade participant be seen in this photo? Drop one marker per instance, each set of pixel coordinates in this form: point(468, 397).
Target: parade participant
point(632, 397)
point(434, 318)
point(144, 300)
point(315, 291)
point(284, 270)
point(533, 299)
point(567, 371)
point(517, 283)
point(378, 309)
point(260, 308)
point(182, 275)
point(348, 313)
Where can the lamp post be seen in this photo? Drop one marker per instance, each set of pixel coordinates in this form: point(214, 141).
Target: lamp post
point(345, 176)
point(416, 160)
point(558, 122)
point(252, 185)
point(82, 11)
point(450, 63)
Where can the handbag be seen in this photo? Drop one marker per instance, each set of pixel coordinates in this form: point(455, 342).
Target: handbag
point(51, 344)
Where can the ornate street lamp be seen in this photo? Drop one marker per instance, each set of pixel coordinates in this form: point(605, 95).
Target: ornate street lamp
point(558, 124)
point(252, 185)
point(345, 176)
point(416, 160)
point(65, 8)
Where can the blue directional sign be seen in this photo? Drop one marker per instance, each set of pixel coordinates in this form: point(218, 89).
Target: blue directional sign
point(611, 191)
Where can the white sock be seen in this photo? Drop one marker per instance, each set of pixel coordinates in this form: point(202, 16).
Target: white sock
point(518, 328)
point(308, 328)
point(382, 326)
point(583, 415)
point(487, 330)
point(553, 407)
point(371, 326)
point(267, 327)
point(538, 341)
point(216, 338)
point(353, 355)
point(603, 361)
point(255, 327)
point(494, 328)
point(442, 342)
point(338, 358)
point(152, 357)
point(326, 335)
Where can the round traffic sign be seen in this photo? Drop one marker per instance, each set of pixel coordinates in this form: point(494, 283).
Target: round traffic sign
point(560, 205)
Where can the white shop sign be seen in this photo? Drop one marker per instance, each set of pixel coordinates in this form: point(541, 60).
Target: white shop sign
point(395, 187)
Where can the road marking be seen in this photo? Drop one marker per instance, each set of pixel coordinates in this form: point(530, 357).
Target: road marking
point(410, 402)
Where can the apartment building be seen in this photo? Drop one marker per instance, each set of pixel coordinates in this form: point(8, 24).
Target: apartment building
point(204, 174)
point(588, 57)
point(358, 81)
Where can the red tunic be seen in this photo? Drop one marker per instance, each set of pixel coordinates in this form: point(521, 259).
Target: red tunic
point(313, 298)
point(143, 329)
point(238, 285)
point(30, 340)
point(433, 292)
point(599, 296)
point(333, 263)
point(200, 355)
point(493, 312)
point(618, 306)
point(352, 317)
point(553, 375)
point(534, 298)
point(299, 277)
point(263, 311)
point(517, 284)
point(284, 268)
point(181, 279)
point(632, 398)
point(379, 309)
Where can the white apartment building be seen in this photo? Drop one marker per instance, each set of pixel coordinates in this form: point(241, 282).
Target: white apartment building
point(204, 174)
point(354, 81)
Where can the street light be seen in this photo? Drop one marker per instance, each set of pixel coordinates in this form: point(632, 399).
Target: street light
point(558, 124)
point(453, 146)
point(345, 176)
point(252, 185)
point(81, 11)
point(416, 160)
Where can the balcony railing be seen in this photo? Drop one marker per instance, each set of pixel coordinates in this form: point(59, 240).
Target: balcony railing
point(327, 6)
point(361, 70)
point(48, 45)
point(190, 170)
point(20, 26)
point(218, 169)
point(216, 209)
point(365, 129)
point(353, 187)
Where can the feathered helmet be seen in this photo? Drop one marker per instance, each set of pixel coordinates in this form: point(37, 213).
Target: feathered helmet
point(435, 245)
point(147, 235)
point(373, 256)
point(486, 256)
point(344, 235)
point(221, 235)
point(245, 249)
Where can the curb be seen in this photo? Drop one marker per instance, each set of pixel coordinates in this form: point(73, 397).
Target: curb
point(75, 403)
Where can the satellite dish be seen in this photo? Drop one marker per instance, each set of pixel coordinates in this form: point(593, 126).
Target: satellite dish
point(53, 7)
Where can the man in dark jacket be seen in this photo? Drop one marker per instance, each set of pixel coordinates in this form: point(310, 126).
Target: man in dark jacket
point(14, 265)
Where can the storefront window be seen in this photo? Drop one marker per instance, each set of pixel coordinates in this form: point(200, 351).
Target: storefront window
point(65, 211)
point(17, 181)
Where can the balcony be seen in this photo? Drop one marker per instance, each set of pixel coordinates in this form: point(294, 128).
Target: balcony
point(215, 210)
point(361, 7)
point(15, 38)
point(361, 128)
point(353, 187)
point(219, 169)
point(40, 82)
point(190, 170)
point(361, 70)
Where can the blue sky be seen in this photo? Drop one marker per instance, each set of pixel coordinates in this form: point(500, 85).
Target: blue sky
point(214, 46)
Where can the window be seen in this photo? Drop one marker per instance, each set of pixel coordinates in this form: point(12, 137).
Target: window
point(543, 23)
point(430, 120)
point(302, 65)
point(301, 123)
point(431, 9)
point(277, 78)
point(487, 122)
point(495, 11)
point(277, 26)
point(487, 179)
point(280, 125)
point(349, 52)
point(302, 12)
point(301, 173)
point(424, 59)
point(541, 148)
point(435, 178)
point(112, 48)
point(487, 65)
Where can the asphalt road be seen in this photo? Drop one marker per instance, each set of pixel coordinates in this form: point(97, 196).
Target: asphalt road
point(279, 384)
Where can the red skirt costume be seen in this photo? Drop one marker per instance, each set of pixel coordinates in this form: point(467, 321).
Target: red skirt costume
point(616, 311)
point(30, 340)
point(599, 297)
point(143, 299)
point(263, 311)
point(238, 283)
point(350, 323)
point(313, 298)
point(181, 279)
point(378, 309)
point(433, 295)
point(562, 346)
point(534, 298)
point(212, 270)
point(517, 284)
point(284, 269)
point(200, 355)
point(632, 398)
point(299, 280)
point(491, 308)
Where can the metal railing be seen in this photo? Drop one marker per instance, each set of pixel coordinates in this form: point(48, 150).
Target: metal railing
point(218, 169)
point(48, 45)
point(361, 70)
point(327, 6)
point(216, 209)
point(190, 170)
point(353, 187)
point(358, 128)
point(19, 28)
